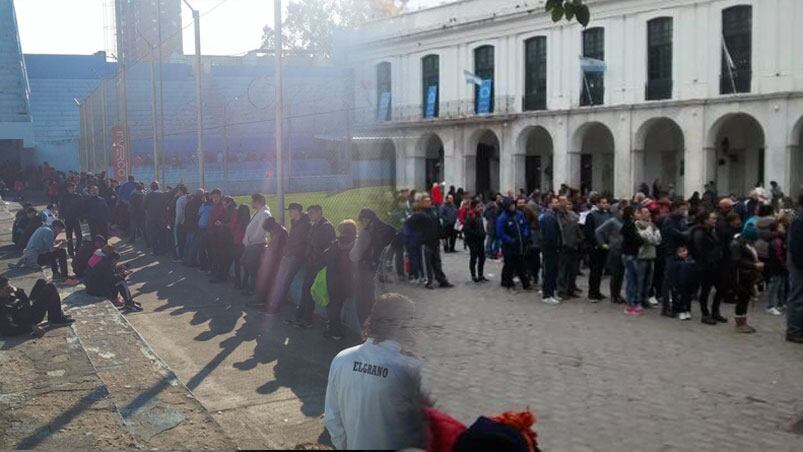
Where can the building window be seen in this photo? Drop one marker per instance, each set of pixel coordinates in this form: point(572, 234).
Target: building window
point(659, 59)
point(593, 89)
point(737, 49)
point(535, 73)
point(383, 84)
point(430, 84)
point(484, 69)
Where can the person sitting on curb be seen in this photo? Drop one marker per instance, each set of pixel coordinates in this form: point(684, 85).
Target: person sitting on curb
point(43, 249)
point(81, 260)
point(105, 278)
point(20, 314)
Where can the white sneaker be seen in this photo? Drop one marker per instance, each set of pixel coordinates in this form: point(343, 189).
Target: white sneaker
point(592, 300)
point(774, 311)
point(550, 301)
point(653, 301)
point(684, 316)
point(557, 298)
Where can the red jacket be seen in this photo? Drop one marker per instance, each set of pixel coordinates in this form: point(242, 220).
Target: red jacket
point(437, 195)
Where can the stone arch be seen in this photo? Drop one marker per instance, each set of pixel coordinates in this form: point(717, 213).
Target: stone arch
point(534, 159)
point(736, 144)
point(594, 142)
point(658, 150)
point(430, 147)
point(482, 165)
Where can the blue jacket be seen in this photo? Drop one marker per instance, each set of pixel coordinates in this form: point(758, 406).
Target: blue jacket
point(204, 215)
point(514, 232)
point(96, 209)
point(674, 233)
point(551, 238)
point(41, 241)
point(124, 191)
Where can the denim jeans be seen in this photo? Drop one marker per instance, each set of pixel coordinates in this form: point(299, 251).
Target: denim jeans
point(493, 245)
point(777, 290)
point(631, 274)
point(645, 270)
point(794, 303)
point(550, 283)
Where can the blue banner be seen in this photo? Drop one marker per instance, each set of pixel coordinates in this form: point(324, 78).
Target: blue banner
point(432, 98)
point(383, 113)
point(484, 97)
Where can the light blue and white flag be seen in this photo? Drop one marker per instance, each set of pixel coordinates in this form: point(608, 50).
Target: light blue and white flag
point(592, 65)
point(472, 78)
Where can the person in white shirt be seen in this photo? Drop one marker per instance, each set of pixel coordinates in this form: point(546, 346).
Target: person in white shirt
point(254, 240)
point(179, 232)
point(374, 398)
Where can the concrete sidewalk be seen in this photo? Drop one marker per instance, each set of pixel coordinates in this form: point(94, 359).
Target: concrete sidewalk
point(94, 385)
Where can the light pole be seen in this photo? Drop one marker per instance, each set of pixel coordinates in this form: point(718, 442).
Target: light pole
point(277, 21)
point(196, 17)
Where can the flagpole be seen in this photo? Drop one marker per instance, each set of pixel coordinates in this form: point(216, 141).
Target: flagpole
point(729, 62)
point(588, 90)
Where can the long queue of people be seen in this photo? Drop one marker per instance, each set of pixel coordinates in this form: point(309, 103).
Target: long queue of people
point(241, 244)
point(659, 251)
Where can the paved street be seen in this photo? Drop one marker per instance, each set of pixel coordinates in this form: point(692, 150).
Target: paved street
point(599, 380)
point(596, 379)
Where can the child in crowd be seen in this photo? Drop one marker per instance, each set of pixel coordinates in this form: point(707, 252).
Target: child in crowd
point(682, 284)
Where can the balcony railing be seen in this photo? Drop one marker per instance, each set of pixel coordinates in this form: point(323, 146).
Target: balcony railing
point(446, 110)
point(659, 89)
point(740, 83)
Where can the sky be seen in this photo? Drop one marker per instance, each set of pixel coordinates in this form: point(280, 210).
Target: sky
point(228, 27)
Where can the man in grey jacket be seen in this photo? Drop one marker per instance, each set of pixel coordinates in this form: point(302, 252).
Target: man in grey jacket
point(608, 236)
point(572, 239)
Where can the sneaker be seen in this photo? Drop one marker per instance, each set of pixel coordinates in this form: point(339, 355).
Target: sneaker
point(550, 301)
point(593, 300)
point(653, 301)
point(638, 310)
point(631, 311)
point(688, 315)
point(708, 320)
point(133, 308)
point(774, 311)
point(303, 325)
point(446, 285)
point(63, 321)
point(559, 298)
point(289, 322)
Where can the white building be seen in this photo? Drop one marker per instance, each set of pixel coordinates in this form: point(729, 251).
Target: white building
point(695, 90)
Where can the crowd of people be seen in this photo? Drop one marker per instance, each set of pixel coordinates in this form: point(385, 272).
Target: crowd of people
point(660, 251)
point(239, 244)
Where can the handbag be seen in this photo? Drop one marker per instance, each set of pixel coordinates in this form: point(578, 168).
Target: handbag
point(320, 290)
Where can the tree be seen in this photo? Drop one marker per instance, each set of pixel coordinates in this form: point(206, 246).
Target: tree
point(570, 9)
point(309, 26)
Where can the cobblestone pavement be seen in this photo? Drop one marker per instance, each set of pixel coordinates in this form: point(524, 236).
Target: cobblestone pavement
point(599, 380)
